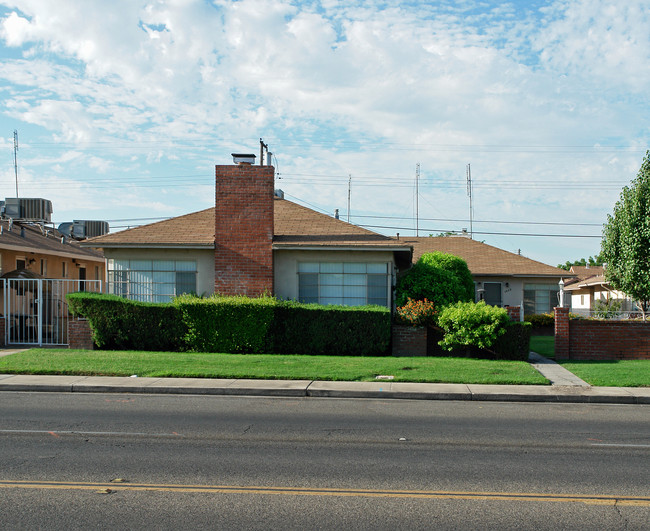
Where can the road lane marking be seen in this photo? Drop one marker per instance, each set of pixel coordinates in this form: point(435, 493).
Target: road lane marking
point(57, 433)
point(614, 445)
point(590, 499)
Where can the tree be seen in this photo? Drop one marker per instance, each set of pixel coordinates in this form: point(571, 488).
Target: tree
point(438, 277)
point(625, 247)
point(591, 261)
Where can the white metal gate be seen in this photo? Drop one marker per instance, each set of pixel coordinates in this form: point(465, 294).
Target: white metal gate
point(36, 312)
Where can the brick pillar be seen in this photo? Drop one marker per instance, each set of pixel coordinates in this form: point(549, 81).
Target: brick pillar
point(79, 334)
point(243, 231)
point(514, 312)
point(562, 348)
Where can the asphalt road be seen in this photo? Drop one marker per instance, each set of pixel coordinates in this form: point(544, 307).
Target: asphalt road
point(277, 463)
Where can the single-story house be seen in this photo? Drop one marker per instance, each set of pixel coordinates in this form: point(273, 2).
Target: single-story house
point(501, 278)
point(254, 241)
point(589, 286)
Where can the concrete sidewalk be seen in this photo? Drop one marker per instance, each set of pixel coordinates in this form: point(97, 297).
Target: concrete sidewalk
point(308, 388)
point(565, 387)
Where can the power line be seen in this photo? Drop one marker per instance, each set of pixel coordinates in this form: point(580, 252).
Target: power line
point(485, 233)
point(563, 224)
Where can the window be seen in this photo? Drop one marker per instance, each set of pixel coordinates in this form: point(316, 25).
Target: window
point(492, 293)
point(151, 280)
point(20, 263)
point(540, 298)
point(44, 267)
point(64, 270)
point(347, 283)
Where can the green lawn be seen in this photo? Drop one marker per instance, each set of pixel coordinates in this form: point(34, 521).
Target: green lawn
point(268, 366)
point(621, 373)
point(543, 345)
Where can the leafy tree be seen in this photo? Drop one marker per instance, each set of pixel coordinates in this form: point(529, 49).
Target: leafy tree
point(625, 247)
point(591, 261)
point(438, 277)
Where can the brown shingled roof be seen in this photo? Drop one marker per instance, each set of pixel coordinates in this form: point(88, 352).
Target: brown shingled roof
point(190, 230)
point(294, 226)
point(29, 237)
point(483, 259)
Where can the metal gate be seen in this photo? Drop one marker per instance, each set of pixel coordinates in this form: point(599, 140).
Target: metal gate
point(36, 312)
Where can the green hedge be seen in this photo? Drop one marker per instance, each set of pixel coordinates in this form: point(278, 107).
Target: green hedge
point(333, 330)
point(515, 343)
point(234, 324)
point(122, 324)
point(227, 324)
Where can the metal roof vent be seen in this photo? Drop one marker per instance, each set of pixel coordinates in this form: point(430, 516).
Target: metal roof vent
point(243, 158)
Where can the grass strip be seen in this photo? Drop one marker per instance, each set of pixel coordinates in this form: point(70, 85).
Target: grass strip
point(617, 373)
point(269, 366)
point(543, 345)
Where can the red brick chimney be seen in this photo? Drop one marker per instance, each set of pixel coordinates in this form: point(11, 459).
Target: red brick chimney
point(243, 229)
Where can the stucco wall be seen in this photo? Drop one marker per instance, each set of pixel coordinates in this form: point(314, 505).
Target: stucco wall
point(285, 265)
point(204, 262)
point(513, 293)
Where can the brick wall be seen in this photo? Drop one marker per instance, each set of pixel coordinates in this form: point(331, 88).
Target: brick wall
point(600, 340)
point(409, 340)
point(79, 334)
point(244, 230)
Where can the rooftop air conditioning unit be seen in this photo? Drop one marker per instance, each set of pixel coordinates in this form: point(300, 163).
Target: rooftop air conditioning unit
point(28, 208)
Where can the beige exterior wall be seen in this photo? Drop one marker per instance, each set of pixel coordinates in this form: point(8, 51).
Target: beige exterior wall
point(285, 265)
point(512, 294)
point(52, 266)
point(204, 262)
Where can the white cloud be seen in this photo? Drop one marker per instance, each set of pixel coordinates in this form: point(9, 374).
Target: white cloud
point(369, 88)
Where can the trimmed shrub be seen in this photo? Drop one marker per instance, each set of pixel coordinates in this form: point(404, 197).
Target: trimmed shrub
point(121, 324)
point(331, 330)
point(472, 324)
point(514, 344)
point(540, 319)
point(227, 324)
point(438, 277)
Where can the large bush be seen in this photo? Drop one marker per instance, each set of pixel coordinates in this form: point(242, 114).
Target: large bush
point(440, 278)
point(121, 324)
point(472, 324)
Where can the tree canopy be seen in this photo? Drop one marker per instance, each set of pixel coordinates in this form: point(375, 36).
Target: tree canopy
point(625, 247)
point(591, 261)
point(438, 277)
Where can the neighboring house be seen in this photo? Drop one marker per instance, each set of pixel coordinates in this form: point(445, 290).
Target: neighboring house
point(590, 286)
point(38, 267)
point(254, 241)
point(46, 252)
point(501, 278)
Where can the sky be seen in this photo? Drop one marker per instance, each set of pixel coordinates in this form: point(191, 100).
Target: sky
point(377, 108)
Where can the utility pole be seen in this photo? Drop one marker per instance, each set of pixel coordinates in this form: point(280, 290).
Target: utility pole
point(471, 209)
point(16, 159)
point(349, 190)
point(417, 199)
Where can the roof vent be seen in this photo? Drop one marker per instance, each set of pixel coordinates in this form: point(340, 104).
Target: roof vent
point(243, 158)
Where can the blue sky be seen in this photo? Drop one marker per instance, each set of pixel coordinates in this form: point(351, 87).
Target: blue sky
point(123, 108)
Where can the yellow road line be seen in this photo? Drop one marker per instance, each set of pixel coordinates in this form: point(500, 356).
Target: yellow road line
point(642, 501)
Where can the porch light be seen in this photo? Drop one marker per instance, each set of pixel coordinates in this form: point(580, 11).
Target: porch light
point(561, 284)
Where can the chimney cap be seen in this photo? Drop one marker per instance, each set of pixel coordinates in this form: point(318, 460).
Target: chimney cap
point(243, 158)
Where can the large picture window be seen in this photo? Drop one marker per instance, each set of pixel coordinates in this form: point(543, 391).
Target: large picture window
point(540, 298)
point(151, 280)
point(347, 283)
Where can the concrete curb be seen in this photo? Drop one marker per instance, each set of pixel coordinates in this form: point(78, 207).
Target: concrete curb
point(325, 389)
